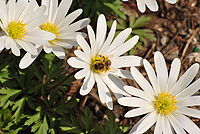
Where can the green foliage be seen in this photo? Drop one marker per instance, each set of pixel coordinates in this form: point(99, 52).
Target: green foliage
point(92, 8)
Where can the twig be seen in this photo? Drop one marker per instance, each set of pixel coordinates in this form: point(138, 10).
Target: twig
point(150, 51)
point(188, 42)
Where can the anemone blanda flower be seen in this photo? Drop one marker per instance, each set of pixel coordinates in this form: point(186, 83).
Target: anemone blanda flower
point(60, 25)
point(101, 61)
point(165, 100)
point(19, 22)
point(151, 4)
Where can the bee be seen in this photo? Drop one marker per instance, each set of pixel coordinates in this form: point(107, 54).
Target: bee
point(102, 65)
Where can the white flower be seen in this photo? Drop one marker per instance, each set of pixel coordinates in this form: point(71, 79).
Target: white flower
point(166, 100)
point(60, 25)
point(102, 59)
point(19, 22)
point(151, 4)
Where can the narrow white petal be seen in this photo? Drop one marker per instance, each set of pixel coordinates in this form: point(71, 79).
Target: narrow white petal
point(189, 111)
point(171, 1)
point(15, 49)
point(88, 84)
point(126, 61)
point(28, 59)
point(82, 56)
point(190, 90)
point(152, 5)
point(7, 42)
point(52, 10)
point(148, 122)
point(63, 10)
point(2, 42)
point(167, 129)
point(141, 5)
point(142, 82)
point(137, 124)
point(83, 44)
point(176, 124)
point(138, 111)
point(82, 73)
point(122, 73)
point(27, 46)
point(133, 102)
point(102, 88)
point(161, 70)
point(46, 4)
point(69, 19)
point(159, 125)
point(47, 49)
point(59, 52)
point(65, 44)
point(101, 31)
point(187, 124)
point(123, 48)
point(152, 76)
point(174, 73)
point(109, 39)
point(185, 79)
point(77, 63)
point(92, 39)
point(116, 85)
point(120, 39)
point(190, 101)
point(137, 92)
point(11, 10)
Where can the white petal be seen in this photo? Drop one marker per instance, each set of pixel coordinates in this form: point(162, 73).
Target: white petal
point(189, 111)
point(167, 129)
point(125, 47)
point(171, 1)
point(59, 52)
point(136, 125)
point(147, 122)
point(120, 39)
point(92, 39)
point(27, 46)
point(13, 45)
point(88, 84)
point(77, 63)
point(159, 125)
point(138, 111)
point(133, 102)
point(69, 36)
point(190, 90)
point(126, 61)
point(39, 35)
point(142, 82)
point(152, 5)
point(137, 92)
point(52, 10)
point(152, 76)
point(109, 39)
point(141, 5)
point(161, 70)
point(11, 10)
point(47, 49)
point(174, 73)
point(83, 44)
point(35, 23)
point(82, 55)
point(77, 25)
point(115, 84)
point(69, 19)
point(65, 44)
point(101, 31)
point(7, 42)
point(190, 101)
point(2, 42)
point(185, 79)
point(62, 10)
point(122, 73)
point(187, 124)
point(82, 73)
point(176, 125)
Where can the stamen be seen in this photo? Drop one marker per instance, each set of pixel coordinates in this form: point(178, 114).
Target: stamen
point(16, 30)
point(165, 103)
point(100, 64)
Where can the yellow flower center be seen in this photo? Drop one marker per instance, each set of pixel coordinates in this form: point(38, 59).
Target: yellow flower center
point(49, 27)
point(16, 29)
point(100, 64)
point(165, 103)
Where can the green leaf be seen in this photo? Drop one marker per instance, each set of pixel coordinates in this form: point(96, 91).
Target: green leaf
point(19, 105)
point(140, 22)
point(32, 119)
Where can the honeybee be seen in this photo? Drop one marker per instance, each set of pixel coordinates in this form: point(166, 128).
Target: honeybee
point(102, 65)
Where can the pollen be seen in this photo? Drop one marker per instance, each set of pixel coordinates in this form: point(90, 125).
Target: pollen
point(49, 27)
point(165, 103)
point(100, 64)
point(16, 30)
